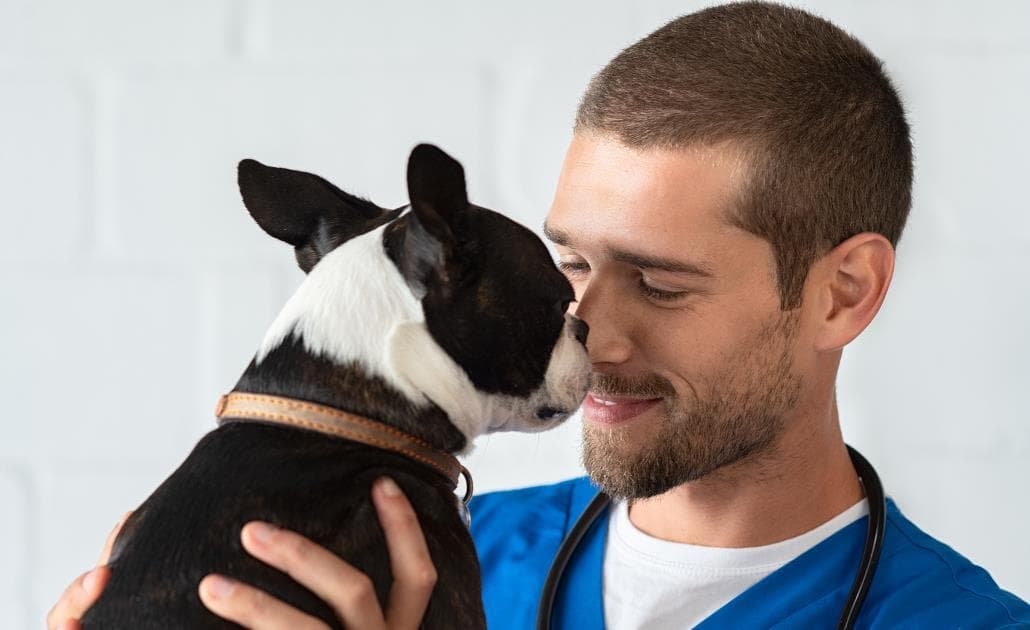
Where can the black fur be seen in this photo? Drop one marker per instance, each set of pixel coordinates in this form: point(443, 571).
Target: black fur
point(459, 259)
point(502, 333)
point(493, 300)
point(297, 479)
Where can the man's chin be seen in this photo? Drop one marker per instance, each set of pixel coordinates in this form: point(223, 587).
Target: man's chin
point(616, 458)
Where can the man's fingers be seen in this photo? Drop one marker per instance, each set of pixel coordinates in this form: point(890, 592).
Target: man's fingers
point(250, 607)
point(85, 590)
point(348, 591)
point(414, 574)
point(77, 598)
point(105, 555)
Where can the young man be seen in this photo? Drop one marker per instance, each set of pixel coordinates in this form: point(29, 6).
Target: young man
point(727, 212)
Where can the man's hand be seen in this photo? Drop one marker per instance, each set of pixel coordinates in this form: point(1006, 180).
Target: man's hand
point(85, 590)
point(348, 591)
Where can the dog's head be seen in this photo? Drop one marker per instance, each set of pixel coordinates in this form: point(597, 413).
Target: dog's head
point(446, 301)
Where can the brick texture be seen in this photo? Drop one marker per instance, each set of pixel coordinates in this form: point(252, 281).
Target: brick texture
point(16, 547)
point(131, 270)
point(46, 181)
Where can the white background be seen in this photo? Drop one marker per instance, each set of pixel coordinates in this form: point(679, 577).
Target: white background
point(135, 287)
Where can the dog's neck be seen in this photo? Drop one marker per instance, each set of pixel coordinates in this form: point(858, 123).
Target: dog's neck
point(330, 345)
point(291, 370)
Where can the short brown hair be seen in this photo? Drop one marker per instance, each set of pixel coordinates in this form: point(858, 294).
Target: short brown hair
point(822, 128)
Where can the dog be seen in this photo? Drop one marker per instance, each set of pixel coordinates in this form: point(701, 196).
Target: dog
point(434, 323)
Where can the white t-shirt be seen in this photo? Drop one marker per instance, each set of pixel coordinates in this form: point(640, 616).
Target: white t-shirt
point(661, 585)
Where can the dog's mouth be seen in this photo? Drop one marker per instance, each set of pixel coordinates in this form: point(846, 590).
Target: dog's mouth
point(551, 413)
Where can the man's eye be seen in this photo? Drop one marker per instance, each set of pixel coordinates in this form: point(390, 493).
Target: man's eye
point(573, 268)
point(660, 294)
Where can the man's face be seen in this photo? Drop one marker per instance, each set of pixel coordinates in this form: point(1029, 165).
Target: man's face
point(692, 356)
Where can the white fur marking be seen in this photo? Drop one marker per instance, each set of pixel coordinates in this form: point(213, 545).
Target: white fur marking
point(346, 306)
point(355, 306)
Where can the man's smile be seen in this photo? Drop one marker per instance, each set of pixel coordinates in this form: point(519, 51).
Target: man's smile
point(608, 409)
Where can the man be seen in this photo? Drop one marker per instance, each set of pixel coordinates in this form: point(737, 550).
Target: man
point(727, 212)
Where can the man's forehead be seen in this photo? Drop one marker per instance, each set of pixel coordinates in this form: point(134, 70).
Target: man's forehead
point(606, 182)
point(652, 208)
point(601, 157)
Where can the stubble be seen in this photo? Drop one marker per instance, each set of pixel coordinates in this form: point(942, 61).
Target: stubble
point(737, 415)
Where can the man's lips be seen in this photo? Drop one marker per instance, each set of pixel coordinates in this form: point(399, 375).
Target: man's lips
point(605, 409)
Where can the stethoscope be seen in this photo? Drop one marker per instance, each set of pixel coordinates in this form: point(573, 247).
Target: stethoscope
point(859, 588)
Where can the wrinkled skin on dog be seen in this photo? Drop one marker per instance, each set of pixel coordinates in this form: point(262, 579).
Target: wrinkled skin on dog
point(443, 319)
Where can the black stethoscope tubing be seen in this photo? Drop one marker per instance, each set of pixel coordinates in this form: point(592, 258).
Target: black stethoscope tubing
point(859, 588)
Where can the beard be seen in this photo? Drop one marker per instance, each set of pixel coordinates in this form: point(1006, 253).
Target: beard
point(740, 415)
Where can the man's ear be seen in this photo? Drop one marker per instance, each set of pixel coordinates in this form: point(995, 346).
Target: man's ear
point(303, 210)
point(853, 279)
point(436, 188)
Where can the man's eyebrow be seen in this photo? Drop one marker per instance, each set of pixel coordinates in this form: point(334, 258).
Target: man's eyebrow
point(643, 261)
point(556, 236)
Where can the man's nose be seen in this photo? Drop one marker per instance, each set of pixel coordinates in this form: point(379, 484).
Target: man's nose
point(599, 304)
point(580, 330)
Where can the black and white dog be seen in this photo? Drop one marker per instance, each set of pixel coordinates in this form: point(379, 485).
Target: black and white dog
point(442, 320)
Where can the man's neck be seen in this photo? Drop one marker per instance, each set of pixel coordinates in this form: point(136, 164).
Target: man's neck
point(804, 480)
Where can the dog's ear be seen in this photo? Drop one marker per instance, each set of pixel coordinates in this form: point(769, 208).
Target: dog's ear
point(303, 210)
point(436, 188)
point(430, 252)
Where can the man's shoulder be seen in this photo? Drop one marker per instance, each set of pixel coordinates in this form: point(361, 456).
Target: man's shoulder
point(925, 581)
point(517, 534)
point(522, 502)
point(546, 511)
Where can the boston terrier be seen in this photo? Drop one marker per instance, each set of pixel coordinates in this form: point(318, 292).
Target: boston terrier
point(414, 331)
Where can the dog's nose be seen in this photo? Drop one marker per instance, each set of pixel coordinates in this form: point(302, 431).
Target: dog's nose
point(580, 330)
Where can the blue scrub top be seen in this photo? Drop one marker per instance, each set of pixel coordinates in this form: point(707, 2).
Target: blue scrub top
point(919, 583)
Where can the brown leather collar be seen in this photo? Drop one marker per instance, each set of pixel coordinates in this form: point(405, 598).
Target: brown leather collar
point(243, 406)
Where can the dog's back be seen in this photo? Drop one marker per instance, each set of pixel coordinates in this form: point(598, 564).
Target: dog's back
point(317, 486)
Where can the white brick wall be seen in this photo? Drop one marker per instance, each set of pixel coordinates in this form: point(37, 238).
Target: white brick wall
point(16, 542)
point(45, 130)
point(131, 271)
